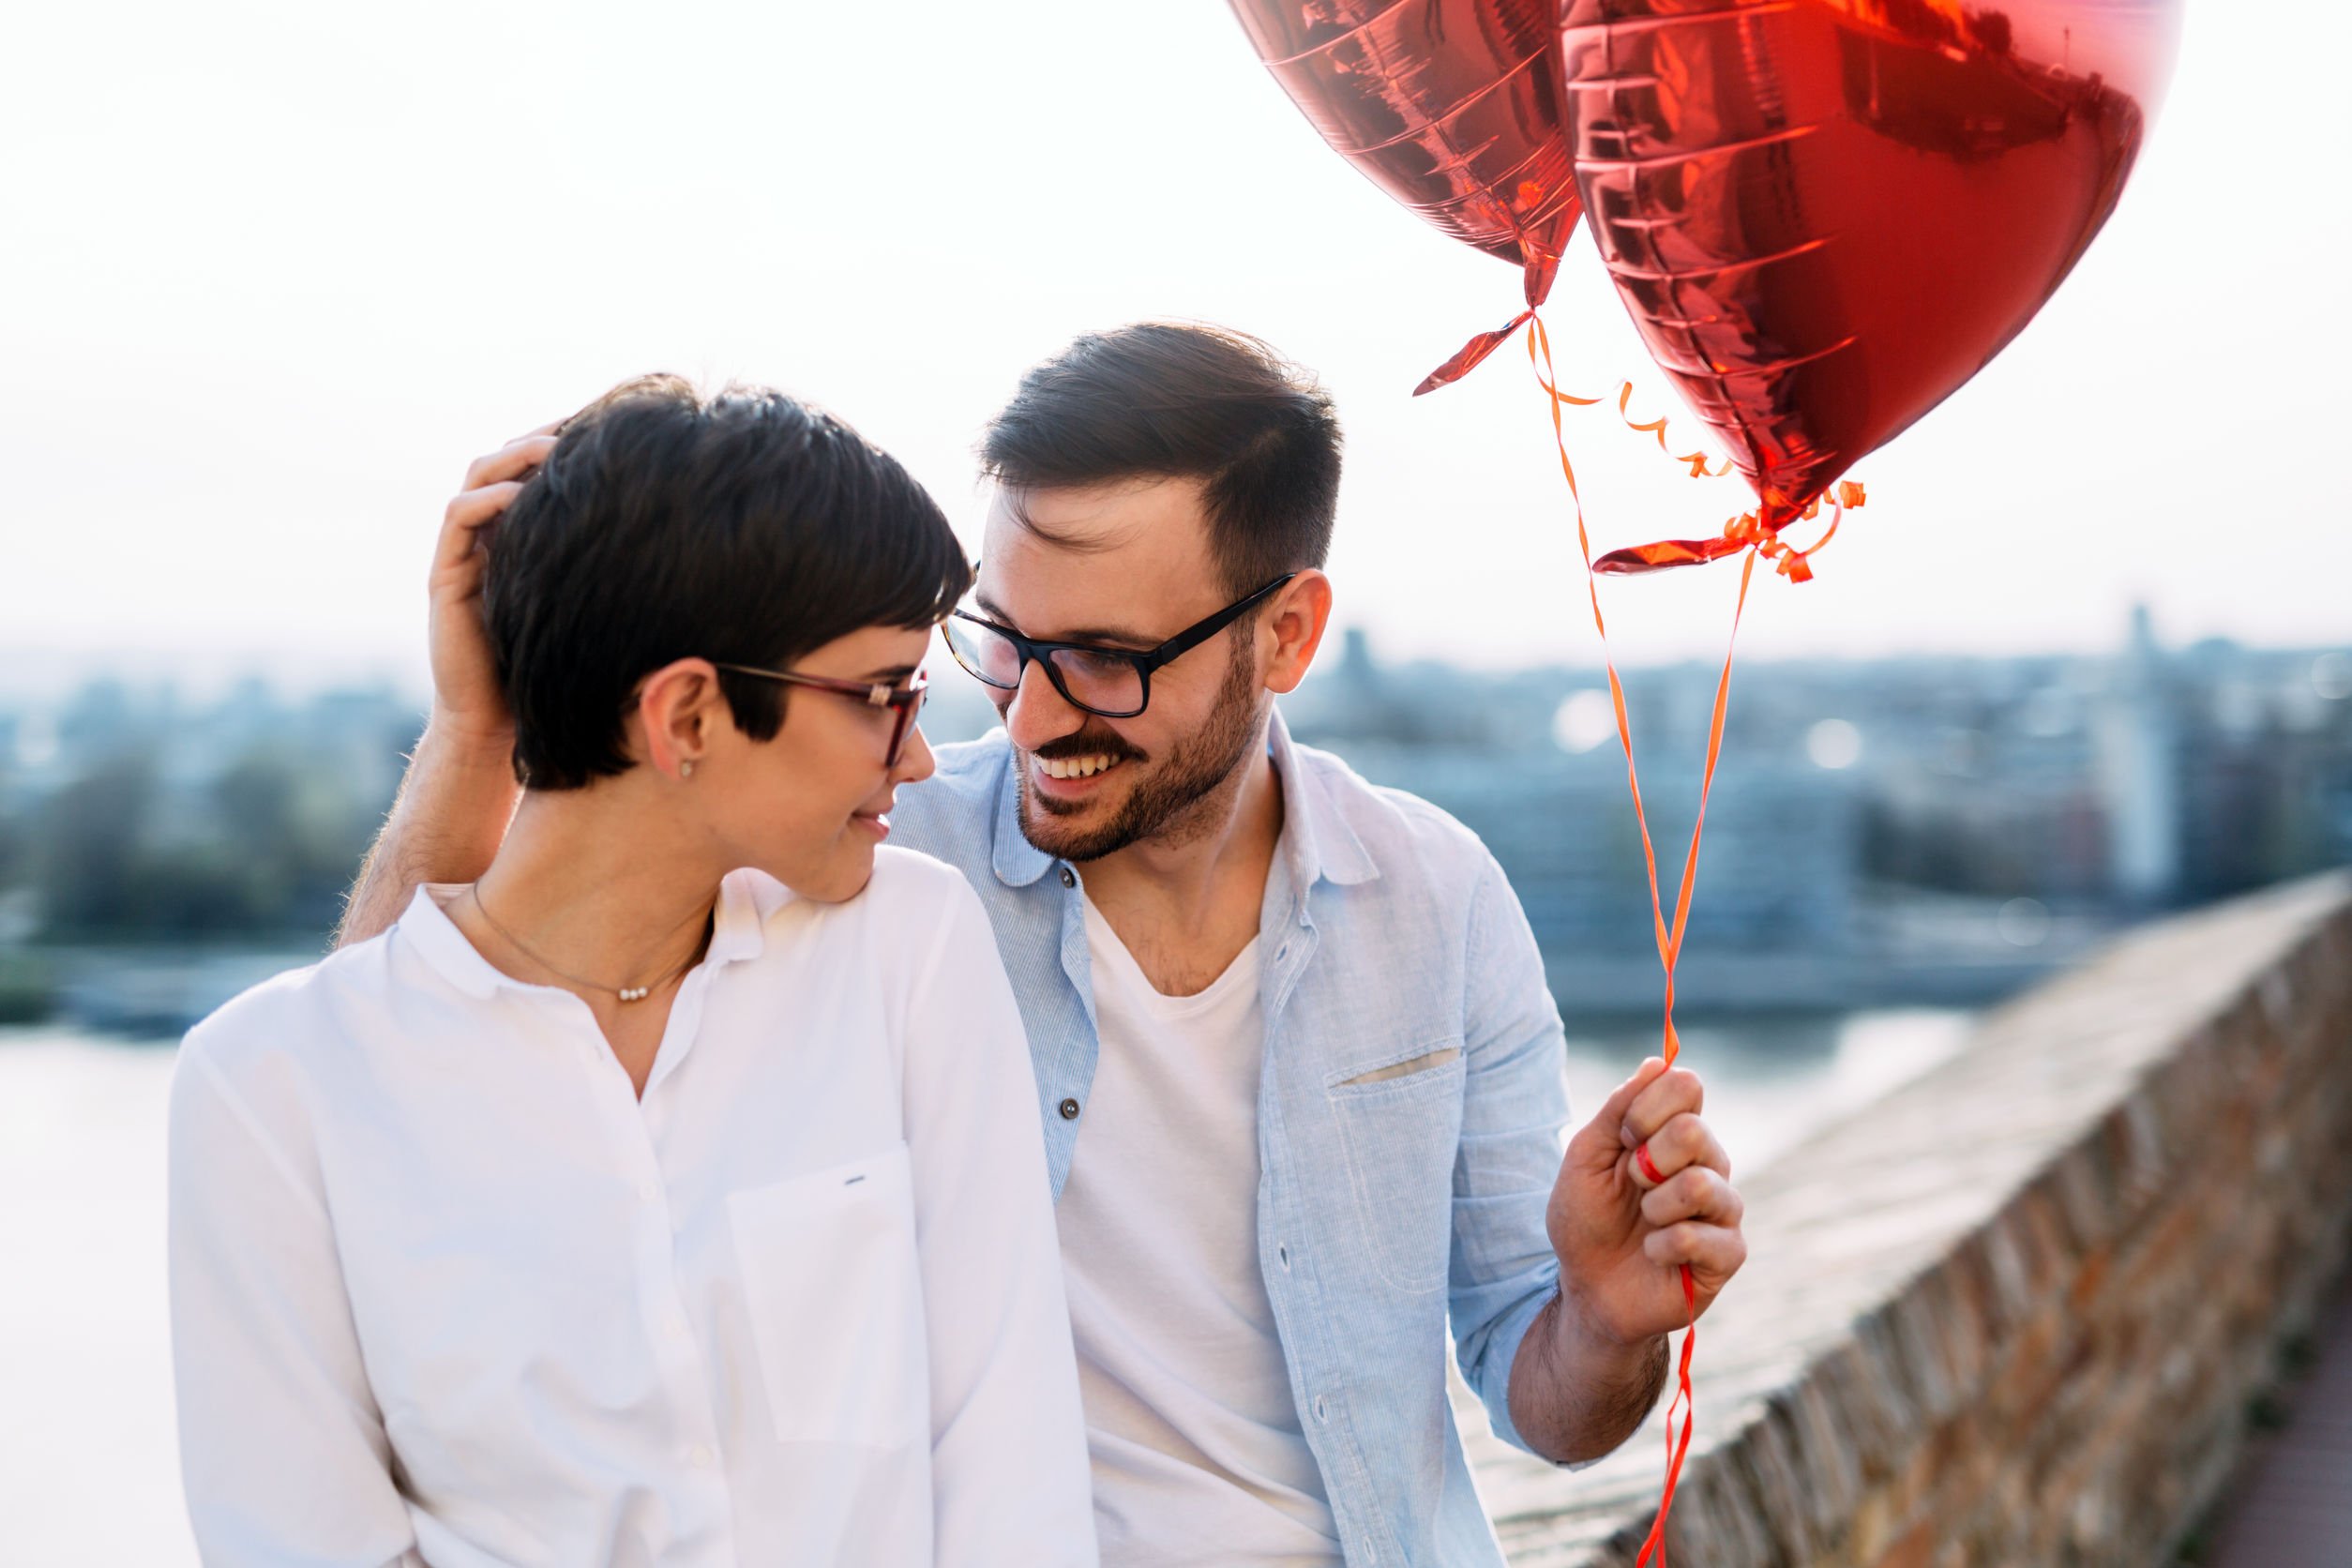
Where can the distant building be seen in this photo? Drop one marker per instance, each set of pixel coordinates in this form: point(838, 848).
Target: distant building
point(2139, 768)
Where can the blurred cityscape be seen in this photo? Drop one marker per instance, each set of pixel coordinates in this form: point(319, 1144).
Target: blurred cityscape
point(1936, 831)
point(1894, 831)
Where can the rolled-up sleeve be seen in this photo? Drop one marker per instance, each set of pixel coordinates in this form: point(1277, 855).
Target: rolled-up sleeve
point(1514, 1107)
point(282, 1449)
point(1008, 1443)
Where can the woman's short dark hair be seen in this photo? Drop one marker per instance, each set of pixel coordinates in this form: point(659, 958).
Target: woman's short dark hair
point(746, 527)
point(1180, 400)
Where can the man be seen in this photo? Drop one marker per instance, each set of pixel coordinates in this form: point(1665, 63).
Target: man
point(1300, 1072)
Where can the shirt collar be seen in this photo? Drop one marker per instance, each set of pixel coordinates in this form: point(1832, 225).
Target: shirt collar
point(1317, 842)
point(738, 932)
point(1016, 861)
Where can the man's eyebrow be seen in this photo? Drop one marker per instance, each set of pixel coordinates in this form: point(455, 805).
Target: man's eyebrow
point(1082, 634)
point(1111, 635)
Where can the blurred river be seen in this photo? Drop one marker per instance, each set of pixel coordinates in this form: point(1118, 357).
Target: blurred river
point(88, 1460)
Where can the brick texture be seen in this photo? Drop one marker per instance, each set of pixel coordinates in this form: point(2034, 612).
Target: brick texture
point(2010, 1314)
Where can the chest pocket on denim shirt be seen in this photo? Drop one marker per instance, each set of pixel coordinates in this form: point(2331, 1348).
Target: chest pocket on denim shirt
point(834, 1290)
point(1400, 1120)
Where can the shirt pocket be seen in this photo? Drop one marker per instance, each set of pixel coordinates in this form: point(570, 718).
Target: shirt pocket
point(1400, 1121)
point(832, 1280)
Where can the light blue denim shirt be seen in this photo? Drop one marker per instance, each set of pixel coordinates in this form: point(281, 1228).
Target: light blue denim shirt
point(1389, 1202)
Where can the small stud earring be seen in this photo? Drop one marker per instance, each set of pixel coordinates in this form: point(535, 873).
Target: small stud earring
point(686, 770)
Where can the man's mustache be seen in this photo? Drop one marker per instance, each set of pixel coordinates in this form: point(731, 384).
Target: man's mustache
point(1089, 744)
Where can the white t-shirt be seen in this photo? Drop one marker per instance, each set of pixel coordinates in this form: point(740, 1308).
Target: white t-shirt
point(1198, 1454)
point(444, 1289)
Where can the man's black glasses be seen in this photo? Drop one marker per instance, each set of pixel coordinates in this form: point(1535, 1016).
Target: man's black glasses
point(1110, 683)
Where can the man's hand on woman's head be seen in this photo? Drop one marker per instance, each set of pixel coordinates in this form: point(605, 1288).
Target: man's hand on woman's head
point(468, 707)
point(459, 790)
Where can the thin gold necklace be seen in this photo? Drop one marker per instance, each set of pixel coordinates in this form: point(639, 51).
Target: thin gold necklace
point(626, 993)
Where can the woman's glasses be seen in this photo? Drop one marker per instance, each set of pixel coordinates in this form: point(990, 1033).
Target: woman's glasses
point(1112, 682)
point(904, 702)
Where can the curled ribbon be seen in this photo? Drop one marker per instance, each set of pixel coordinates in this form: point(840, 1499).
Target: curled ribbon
point(1696, 463)
point(1746, 532)
point(1468, 356)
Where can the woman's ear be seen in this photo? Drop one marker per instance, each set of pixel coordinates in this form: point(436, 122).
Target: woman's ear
point(681, 709)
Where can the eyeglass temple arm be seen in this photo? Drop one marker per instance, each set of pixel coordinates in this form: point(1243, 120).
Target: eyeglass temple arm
point(1184, 643)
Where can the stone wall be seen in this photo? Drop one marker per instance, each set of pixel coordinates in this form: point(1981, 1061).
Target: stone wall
point(2012, 1314)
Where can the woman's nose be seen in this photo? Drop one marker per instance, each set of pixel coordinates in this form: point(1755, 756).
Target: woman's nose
point(915, 762)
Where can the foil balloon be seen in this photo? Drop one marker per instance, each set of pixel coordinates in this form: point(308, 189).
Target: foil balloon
point(1827, 215)
point(1449, 106)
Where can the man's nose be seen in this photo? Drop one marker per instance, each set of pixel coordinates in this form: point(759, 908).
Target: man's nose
point(1038, 712)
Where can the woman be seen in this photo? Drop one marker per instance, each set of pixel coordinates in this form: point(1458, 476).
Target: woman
point(675, 1192)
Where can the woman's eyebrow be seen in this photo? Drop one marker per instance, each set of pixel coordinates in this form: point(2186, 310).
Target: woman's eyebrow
point(891, 676)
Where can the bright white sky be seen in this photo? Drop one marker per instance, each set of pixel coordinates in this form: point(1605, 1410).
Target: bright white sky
point(274, 272)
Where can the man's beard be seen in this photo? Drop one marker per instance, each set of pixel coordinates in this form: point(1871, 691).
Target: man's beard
point(1197, 767)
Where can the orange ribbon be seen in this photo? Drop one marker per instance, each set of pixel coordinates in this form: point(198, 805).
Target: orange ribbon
point(1754, 539)
point(1745, 531)
point(1471, 354)
point(1694, 461)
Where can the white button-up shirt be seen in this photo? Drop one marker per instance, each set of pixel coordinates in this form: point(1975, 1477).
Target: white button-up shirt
point(443, 1290)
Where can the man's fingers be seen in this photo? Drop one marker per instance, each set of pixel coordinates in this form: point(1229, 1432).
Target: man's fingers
point(1665, 1096)
point(1713, 1252)
point(1622, 1098)
point(464, 518)
point(492, 484)
point(1686, 1140)
point(513, 461)
point(1596, 1143)
point(1697, 1193)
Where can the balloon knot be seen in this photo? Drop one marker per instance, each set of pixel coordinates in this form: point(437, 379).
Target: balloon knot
point(1746, 530)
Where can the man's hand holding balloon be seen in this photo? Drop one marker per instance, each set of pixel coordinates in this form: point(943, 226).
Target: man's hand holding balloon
point(1645, 1189)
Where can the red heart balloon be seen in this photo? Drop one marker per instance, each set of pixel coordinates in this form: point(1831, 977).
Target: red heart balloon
point(1827, 215)
point(1449, 106)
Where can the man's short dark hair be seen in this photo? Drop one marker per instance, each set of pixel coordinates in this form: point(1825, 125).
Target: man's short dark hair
point(746, 527)
point(1179, 401)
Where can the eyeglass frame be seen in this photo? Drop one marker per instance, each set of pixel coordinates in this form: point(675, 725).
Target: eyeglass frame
point(905, 702)
point(1033, 650)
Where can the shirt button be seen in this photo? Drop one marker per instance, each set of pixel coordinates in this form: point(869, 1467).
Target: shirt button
point(700, 1457)
point(1320, 1413)
point(1069, 1109)
point(1069, 878)
point(648, 1191)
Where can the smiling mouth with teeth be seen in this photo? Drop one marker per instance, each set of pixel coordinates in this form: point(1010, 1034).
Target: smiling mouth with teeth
point(1075, 767)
